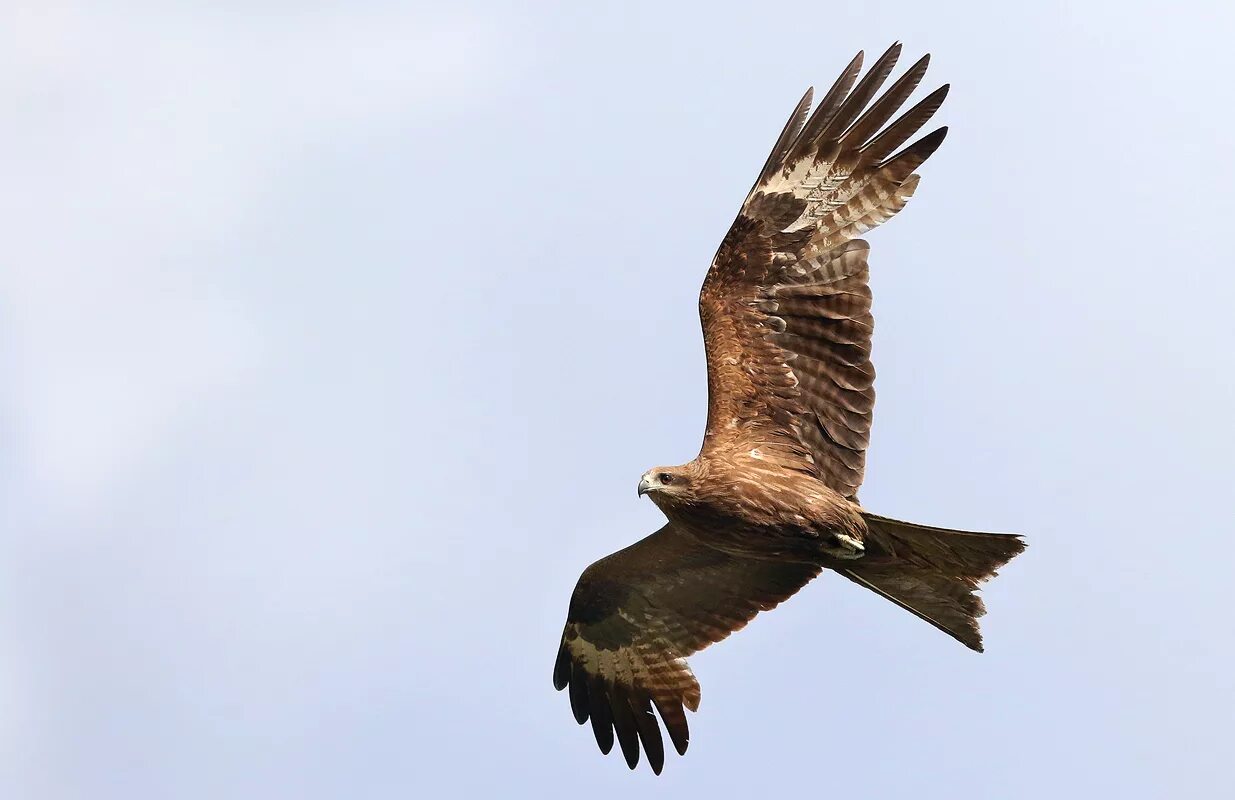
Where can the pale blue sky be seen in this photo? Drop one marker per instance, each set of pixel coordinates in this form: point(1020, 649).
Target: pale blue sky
point(333, 343)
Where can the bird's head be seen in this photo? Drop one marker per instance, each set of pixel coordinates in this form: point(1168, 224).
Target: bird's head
point(668, 484)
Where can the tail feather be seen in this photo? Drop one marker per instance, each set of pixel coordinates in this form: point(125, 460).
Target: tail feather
point(933, 573)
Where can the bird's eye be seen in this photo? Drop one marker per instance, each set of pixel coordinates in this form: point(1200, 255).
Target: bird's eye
point(666, 478)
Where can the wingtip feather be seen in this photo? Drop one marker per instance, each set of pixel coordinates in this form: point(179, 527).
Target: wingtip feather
point(578, 697)
point(625, 726)
point(649, 732)
point(674, 718)
point(561, 668)
point(916, 153)
point(602, 718)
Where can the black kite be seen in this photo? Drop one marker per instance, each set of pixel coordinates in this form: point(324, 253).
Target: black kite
point(771, 499)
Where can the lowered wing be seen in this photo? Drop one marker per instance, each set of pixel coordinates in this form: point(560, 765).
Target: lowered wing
point(634, 618)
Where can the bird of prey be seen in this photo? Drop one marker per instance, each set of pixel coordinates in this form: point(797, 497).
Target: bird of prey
point(771, 499)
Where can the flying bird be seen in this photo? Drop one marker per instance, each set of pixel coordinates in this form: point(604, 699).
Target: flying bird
point(771, 499)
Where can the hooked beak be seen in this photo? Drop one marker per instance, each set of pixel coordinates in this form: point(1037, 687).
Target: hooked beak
point(645, 485)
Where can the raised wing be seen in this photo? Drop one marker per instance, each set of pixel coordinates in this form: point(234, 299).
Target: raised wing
point(634, 618)
point(786, 306)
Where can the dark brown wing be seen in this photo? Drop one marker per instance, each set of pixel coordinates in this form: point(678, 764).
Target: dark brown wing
point(634, 618)
point(786, 306)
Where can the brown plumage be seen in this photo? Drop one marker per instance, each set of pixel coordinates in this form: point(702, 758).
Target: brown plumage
point(771, 499)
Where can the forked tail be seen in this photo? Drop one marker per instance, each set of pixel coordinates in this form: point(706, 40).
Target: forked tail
point(933, 573)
